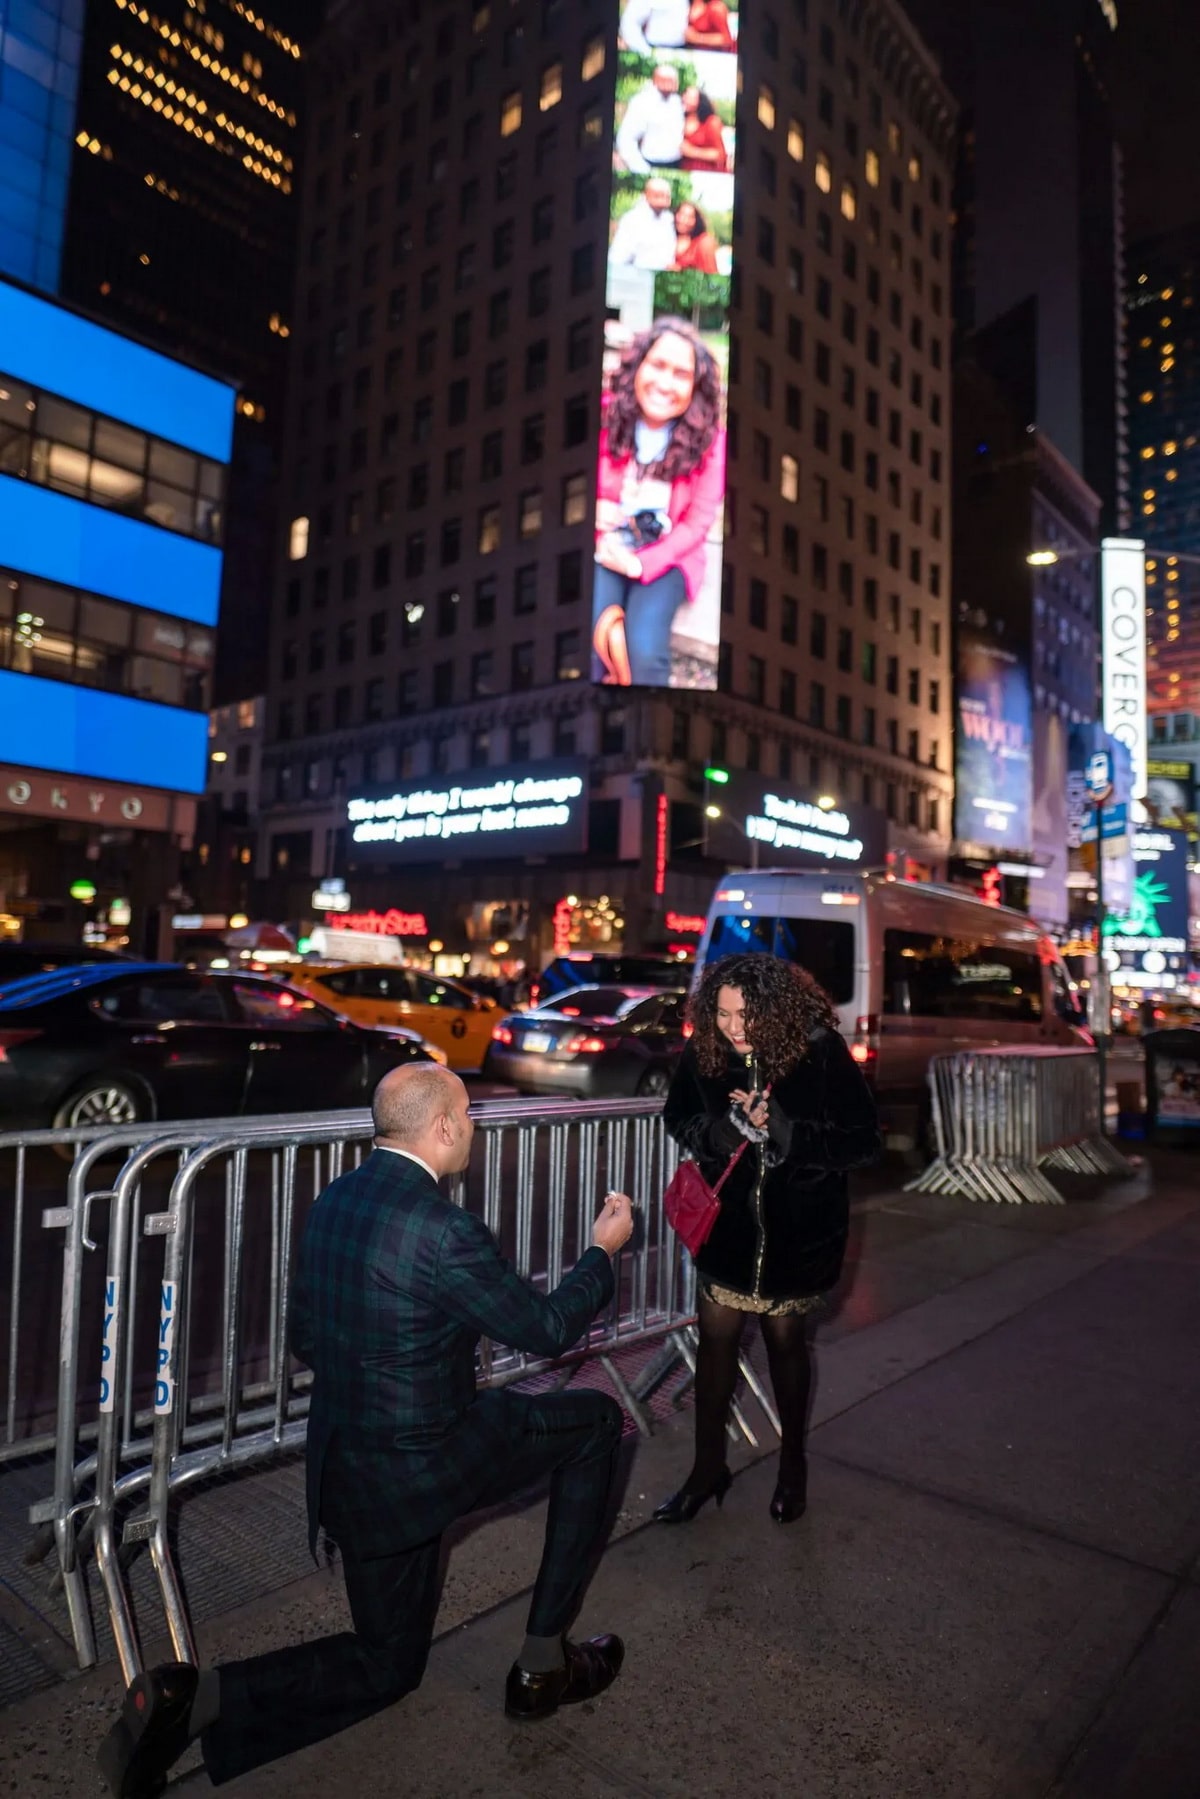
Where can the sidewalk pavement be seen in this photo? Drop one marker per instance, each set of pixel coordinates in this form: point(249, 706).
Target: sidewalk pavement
point(995, 1593)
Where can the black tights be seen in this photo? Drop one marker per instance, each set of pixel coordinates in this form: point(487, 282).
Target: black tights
point(786, 1339)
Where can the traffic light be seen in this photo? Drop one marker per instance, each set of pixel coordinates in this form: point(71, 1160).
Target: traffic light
point(718, 775)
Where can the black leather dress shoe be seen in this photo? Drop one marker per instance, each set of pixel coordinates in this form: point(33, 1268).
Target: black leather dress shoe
point(151, 1733)
point(589, 1668)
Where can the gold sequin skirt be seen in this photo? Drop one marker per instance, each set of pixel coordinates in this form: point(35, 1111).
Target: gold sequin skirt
point(760, 1306)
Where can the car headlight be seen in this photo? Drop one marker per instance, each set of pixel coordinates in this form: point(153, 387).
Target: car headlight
point(436, 1055)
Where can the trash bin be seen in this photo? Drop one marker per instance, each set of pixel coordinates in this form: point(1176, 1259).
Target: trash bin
point(1173, 1086)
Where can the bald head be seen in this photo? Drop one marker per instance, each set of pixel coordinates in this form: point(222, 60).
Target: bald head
point(424, 1109)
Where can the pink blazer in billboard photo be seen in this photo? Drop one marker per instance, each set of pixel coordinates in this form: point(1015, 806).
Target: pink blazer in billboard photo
point(695, 501)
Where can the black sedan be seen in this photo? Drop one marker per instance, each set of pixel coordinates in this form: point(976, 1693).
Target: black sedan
point(116, 1043)
point(593, 1042)
point(19, 960)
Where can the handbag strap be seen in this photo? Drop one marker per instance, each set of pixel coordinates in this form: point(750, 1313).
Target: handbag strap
point(737, 1155)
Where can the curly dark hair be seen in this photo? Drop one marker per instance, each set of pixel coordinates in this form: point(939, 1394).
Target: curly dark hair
point(784, 1006)
point(693, 433)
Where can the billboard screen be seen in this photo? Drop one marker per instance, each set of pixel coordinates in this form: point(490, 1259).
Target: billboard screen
point(1170, 793)
point(660, 486)
point(763, 825)
point(1148, 947)
point(993, 796)
point(1123, 624)
point(533, 809)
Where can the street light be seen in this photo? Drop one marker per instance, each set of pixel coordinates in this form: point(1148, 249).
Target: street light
point(826, 802)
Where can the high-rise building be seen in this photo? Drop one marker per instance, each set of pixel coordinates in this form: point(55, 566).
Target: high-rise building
point(1039, 211)
point(113, 466)
point(181, 230)
point(1026, 639)
point(432, 643)
point(1164, 386)
point(40, 50)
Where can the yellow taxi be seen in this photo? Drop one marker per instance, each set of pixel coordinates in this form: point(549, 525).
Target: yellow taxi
point(449, 1016)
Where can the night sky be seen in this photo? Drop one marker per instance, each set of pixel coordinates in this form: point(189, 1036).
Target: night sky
point(1156, 93)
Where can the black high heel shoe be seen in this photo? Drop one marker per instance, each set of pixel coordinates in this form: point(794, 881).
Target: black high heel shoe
point(790, 1503)
point(682, 1507)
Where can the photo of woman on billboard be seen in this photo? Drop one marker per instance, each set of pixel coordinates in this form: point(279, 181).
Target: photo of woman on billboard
point(660, 491)
point(695, 245)
point(704, 145)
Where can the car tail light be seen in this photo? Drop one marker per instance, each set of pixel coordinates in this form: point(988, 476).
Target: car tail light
point(501, 1034)
point(865, 1047)
point(10, 1039)
point(569, 1011)
point(585, 1046)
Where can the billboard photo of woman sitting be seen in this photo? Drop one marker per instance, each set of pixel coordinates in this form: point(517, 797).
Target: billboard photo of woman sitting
point(660, 492)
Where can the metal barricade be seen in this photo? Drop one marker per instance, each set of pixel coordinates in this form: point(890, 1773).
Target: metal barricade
point(1002, 1117)
point(166, 1417)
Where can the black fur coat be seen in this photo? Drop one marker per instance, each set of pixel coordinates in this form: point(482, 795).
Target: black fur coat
point(784, 1210)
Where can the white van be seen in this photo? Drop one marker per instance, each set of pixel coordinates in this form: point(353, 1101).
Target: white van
point(913, 970)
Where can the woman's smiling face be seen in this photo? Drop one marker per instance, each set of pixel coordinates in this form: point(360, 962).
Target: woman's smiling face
point(731, 1018)
point(666, 379)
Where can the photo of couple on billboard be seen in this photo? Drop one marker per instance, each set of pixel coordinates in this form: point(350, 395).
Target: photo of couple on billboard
point(661, 477)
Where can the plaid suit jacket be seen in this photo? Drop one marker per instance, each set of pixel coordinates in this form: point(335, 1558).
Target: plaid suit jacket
point(394, 1286)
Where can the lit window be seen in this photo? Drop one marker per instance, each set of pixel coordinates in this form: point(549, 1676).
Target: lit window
point(1146, 398)
point(1144, 343)
point(298, 540)
point(489, 530)
point(795, 140)
point(914, 168)
point(1167, 364)
point(530, 513)
point(1169, 449)
point(766, 107)
point(893, 137)
point(1149, 511)
point(823, 173)
point(872, 168)
point(593, 58)
point(1172, 474)
point(1147, 453)
point(1168, 349)
point(849, 200)
point(1149, 493)
point(789, 478)
point(1142, 280)
point(552, 87)
point(510, 114)
point(1168, 293)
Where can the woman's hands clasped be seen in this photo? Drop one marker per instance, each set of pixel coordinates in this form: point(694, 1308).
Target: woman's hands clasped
point(753, 1105)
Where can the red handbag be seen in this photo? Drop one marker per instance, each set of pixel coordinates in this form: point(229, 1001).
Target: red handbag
point(692, 1206)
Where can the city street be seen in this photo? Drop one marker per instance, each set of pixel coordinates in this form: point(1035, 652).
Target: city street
point(993, 1595)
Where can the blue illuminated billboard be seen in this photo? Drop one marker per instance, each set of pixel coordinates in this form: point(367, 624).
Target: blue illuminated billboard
point(59, 538)
point(81, 731)
point(993, 793)
point(64, 354)
point(1148, 946)
point(660, 488)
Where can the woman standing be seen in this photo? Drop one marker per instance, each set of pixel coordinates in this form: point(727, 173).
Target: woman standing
point(659, 485)
point(695, 245)
point(767, 1067)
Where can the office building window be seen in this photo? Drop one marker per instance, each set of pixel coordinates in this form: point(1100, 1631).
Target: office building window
point(568, 659)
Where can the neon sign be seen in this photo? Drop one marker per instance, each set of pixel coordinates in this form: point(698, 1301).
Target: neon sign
point(660, 844)
point(387, 924)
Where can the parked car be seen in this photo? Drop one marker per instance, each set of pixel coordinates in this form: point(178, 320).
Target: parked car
point(595, 1042)
point(18, 960)
point(117, 1043)
point(601, 968)
point(914, 971)
point(457, 1021)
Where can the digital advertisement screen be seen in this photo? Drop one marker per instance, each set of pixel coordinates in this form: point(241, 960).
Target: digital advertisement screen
point(993, 754)
point(761, 824)
point(537, 809)
point(660, 489)
point(1148, 946)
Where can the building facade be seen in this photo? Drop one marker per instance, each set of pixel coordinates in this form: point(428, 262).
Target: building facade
point(432, 623)
point(113, 464)
point(1040, 216)
point(181, 231)
point(1027, 645)
point(40, 52)
point(1164, 385)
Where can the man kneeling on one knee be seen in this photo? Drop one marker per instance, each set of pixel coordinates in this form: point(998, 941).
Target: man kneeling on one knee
point(393, 1288)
